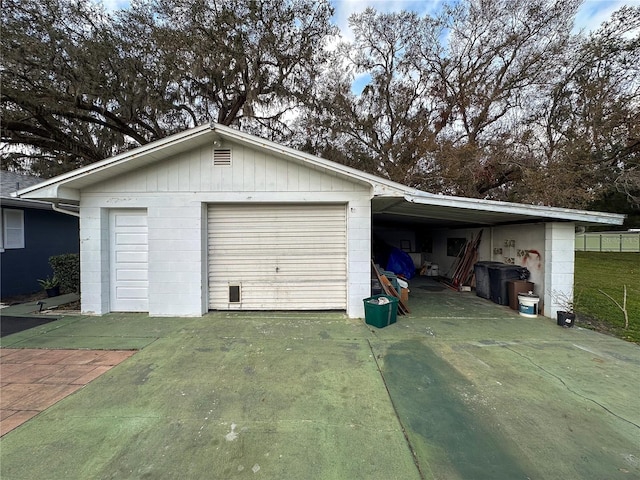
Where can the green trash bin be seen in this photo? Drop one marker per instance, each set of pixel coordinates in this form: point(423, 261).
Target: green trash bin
point(380, 315)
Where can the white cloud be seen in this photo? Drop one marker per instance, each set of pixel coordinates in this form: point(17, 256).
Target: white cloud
point(593, 13)
point(590, 15)
point(345, 8)
point(112, 5)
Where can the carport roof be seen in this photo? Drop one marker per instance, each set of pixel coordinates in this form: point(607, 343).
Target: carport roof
point(392, 202)
point(447, 211)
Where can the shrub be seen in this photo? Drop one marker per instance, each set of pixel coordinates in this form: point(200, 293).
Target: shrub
point(66, 268)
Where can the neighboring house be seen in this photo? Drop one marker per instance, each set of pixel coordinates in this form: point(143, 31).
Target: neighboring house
point(217, 219)
point(31, 233)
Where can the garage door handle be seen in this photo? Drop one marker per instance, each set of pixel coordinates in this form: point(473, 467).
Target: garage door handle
point(277, 269)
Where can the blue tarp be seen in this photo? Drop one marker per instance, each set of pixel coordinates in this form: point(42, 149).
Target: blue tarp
point(401, 263)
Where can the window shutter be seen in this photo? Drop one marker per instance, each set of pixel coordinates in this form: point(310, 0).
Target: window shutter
point(13, 228)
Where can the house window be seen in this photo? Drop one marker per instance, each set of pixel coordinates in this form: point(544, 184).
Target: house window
point(12, 229)
point(222, 157)
point(455, 246)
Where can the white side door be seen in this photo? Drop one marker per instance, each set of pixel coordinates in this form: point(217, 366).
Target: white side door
point(129, 261)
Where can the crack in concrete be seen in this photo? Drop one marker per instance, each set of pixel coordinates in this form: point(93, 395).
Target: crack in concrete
point(557, 377)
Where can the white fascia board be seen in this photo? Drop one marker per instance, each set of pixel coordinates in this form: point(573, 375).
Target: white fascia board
point(49, 189)
point(556, 213)
point(380, 186)
point(54, 192)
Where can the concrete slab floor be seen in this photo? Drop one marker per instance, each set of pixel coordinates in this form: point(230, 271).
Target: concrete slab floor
point(460, 389)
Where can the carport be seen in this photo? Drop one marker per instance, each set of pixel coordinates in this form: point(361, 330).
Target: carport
point(432, 227)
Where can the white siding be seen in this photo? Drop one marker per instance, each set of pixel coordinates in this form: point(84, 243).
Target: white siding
point(251, 171)
point(282, 257)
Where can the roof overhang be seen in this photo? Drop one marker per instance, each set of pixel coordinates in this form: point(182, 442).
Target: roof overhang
point(66, 187)
point(440, 211)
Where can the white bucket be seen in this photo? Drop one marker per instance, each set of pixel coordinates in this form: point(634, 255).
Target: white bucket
point(528, 304)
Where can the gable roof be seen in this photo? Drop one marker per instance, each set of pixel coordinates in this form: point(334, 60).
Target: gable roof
point(66, 187)
point(391, 201)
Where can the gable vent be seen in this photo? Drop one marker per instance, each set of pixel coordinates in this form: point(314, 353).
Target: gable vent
point(222, 157)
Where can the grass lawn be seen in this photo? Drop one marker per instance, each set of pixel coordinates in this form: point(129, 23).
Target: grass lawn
point(608, 272)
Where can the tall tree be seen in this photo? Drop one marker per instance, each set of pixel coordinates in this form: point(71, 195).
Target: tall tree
point(243, 58)
point(590, 118)
point(447, 97)
point(74, 90)
point(383, 129)
point(496, 54)
point(80, 85)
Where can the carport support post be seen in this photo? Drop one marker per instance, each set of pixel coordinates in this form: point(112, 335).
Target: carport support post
point(559, 265)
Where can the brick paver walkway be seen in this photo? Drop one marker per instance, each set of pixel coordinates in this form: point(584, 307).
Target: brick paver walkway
point(32, 380)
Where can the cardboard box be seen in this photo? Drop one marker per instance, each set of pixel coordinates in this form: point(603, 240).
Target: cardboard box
point(404, 295)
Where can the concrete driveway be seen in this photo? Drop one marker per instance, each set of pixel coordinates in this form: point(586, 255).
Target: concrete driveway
point(460, 389)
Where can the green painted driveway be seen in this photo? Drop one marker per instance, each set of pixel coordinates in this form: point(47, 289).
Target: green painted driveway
point(461, 389)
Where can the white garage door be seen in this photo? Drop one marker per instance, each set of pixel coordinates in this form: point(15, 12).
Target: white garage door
point(277, 257)
point(129, 261)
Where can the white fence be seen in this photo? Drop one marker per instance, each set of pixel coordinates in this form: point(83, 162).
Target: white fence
point(608, 242)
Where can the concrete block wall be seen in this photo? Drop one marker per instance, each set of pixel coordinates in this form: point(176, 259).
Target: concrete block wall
point(397, 237)
point(516, 243)
point(439, 253)
point(176, 194)
point(358, 255)
point(559, 265)
point(175, 259)
point(178, 268)
point(552, 272)
point(94, 260)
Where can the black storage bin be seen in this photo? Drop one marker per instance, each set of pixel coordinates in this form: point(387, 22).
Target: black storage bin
point(499, 276)
point(481, 270)
point(376, 287)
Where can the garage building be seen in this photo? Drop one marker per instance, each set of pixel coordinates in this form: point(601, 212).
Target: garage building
point(217, 219)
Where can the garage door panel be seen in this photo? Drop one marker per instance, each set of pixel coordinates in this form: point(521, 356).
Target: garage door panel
point(282, 256)
point(124, 274)
point(255, 297)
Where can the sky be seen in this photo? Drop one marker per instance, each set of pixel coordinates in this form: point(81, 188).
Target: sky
point(591, 14)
